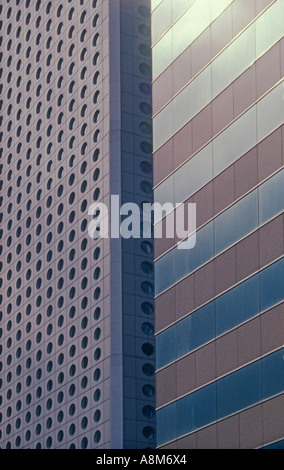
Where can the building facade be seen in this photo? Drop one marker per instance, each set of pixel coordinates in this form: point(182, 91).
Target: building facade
point(76, 312)
point(218, 142)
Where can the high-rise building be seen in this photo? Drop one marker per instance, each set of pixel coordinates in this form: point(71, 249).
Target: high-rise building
point(218, 140)
point(76, 312)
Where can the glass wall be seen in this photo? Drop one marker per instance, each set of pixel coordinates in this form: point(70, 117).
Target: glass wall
point(244, 301)
point(241, 136)
point(176, 39)
point(243, 217)
point(223, 70)
point(239, 390)
point(165, 13)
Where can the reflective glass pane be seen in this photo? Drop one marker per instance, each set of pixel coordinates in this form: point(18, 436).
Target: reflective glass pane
point(194, 330)
point(203, 82)
point(180, 36)
point(181, 263)
point(190, 100)
point(179, 6)
point(197, 409)
point(235, 141)
point(272, 285)
point(218, 7)
point(155, 3)
point(164, 272)
point(276, 445)
point(183, 336)
point(237, 305)
point(167, 423)
point(273, 374)
point(198, 17)
point(203, 325)
point(166, 13)
point(187, 261)
point(205, 406)
point(185, 410)
point(204, 248)
point(271, 197)
point(165, 343)
point(270, 112)
point(236, 222)
point(181, 109)
point(239, 390)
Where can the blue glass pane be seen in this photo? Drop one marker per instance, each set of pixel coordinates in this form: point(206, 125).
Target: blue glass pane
point(161, 19)
point(203, 325)
point(165, 344)
point(185, 414)
point(271, 197)
point(205, 406)
point(183, 336)
point(166, 423)
point(164, 271)
point(234, 141)
point(236, 222)
point(179, 6)
point(181, 263)
point(197, 410)
point(239, 390)
point(276, 445)
point(237, 305)
point(273, 374)
point(272, 284)
point(193, 174)
point(203, 250)
point(164, 194)
point(270, 111)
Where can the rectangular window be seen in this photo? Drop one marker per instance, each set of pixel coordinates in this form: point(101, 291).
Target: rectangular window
point(195, 330)
point(194, 174)
point(164, 272)
point(165, 192)
point(155, 3)
point(163, 126)
point(272, 285)
point(270, 112)
point(239, 390)
point(197, 409)
point(166, 13)
point(233, 61)
point(269, 27)
point(165, 344)
point(273, 374)
point(235, 141)
point(236, 222)
point(237, 305)
point(167, 424)
point(271, 197)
